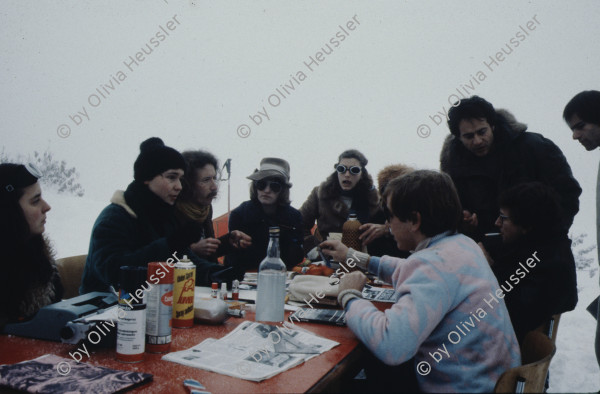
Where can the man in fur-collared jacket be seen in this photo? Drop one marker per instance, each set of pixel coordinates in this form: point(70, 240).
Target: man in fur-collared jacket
point(489, 151)
point(349, 189)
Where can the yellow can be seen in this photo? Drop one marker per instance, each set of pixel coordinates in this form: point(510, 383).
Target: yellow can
point(183, 293)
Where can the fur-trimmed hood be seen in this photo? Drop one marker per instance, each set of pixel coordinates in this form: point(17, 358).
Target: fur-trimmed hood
point(326, 205)
point(507, 128)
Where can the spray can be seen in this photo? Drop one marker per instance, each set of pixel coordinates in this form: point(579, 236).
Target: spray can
point(159, 310)
point(131, 323)
point(223, 293)
point(183, 293)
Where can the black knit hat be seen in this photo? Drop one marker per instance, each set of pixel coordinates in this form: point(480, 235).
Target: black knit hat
point(154, 159)
point(16, 176)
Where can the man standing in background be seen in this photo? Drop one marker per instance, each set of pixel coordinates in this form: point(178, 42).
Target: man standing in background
point(582, 114)
point(488, 152)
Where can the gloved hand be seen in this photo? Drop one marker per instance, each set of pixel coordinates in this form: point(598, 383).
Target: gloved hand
point(184, 236)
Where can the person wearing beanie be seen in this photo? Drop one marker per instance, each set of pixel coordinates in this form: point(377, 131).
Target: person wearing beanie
point(348, 190)
point(269, 206)
point(29, 279)
point(139, 226)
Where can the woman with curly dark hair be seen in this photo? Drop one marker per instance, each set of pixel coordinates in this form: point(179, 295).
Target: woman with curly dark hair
point(348, 190)
point(29, 279)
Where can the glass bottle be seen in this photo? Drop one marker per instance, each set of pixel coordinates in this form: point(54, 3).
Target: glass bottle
point(272, 274)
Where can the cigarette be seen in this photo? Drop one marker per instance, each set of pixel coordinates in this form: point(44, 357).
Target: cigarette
point(492, 234)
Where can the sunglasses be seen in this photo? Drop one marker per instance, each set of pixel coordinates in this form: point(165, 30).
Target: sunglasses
point(274, 186)
point(354, 170)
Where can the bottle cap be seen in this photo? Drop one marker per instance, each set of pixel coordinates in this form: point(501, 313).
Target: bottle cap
point(274, 231)
point(215, 286)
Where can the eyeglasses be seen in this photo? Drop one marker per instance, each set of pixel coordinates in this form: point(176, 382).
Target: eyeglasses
point(274, 186)
point(354, 170)
point(503, 217)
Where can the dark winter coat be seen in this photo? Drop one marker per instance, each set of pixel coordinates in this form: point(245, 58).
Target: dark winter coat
point(250, 218)
point(133, 231)
point(326, 206)
point(550, 286)
point(29, 280)
point(516, 156)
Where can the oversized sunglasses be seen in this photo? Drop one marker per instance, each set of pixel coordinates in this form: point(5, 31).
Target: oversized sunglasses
point(274, 186)
point(354, 170)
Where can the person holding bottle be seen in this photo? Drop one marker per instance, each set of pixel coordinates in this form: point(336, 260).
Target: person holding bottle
point(269, 206)
point(348, 190)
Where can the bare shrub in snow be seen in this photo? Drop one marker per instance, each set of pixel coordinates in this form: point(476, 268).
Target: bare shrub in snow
point(55, 174)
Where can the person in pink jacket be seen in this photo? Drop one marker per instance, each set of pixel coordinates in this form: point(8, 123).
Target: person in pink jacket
point(449, 326)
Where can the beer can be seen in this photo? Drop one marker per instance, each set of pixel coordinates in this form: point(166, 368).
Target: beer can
point(159, 308)
point(183, 293)
point(131, 323)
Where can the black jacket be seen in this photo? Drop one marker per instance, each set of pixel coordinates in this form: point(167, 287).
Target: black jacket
point(250, 218)
point(516, 156)
point(550, 286)
point(133, 230)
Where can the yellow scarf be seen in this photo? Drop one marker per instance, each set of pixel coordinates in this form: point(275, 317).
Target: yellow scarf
point(195, 212)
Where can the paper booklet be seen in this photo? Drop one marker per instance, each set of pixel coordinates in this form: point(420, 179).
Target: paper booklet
point(53, 374)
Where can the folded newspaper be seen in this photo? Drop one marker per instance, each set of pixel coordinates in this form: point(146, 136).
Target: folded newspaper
point(254, 351)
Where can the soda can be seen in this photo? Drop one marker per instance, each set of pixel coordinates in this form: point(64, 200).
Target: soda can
point(131, 323)
point(159, 308)
point(183, 293)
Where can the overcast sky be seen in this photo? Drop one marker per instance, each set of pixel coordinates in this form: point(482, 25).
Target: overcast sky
point(72, 80)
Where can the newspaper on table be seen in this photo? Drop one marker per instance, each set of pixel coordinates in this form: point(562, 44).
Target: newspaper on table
point(254, 351)
point(379, 294)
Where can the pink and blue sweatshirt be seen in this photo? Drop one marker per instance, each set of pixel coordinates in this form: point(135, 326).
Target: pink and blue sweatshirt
point(448, 316)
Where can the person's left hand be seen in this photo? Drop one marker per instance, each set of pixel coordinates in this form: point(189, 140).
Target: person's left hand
point(355, 280)
point(239, 239)
point(371, 231)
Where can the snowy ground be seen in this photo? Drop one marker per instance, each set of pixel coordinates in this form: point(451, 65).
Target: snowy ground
point(573, 369)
